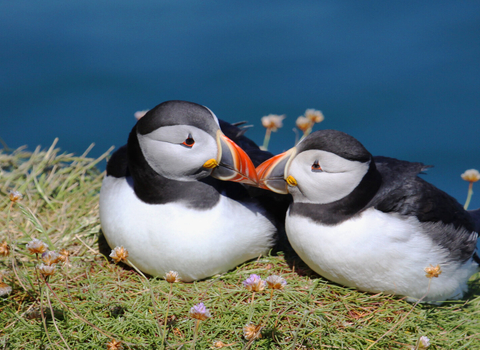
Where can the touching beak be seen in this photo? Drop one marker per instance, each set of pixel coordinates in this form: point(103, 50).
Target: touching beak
point(272, 172)
point(232, 163)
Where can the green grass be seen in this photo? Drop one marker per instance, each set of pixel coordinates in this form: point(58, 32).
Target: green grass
point(94, 300)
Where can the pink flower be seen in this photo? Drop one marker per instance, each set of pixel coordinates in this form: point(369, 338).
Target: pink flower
point(199, 312)
point(254, 283)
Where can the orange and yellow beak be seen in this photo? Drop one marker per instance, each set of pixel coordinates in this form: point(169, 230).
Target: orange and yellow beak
point(272, 173)
point(232, 163)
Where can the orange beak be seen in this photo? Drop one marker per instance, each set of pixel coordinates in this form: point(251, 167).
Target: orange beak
point(232, 163)
point(272, 172)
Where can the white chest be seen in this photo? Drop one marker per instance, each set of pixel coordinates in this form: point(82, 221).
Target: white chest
point(376, 252)
point(195, 243)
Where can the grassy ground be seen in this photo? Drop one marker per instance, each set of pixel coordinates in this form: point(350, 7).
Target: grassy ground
point(89, 300)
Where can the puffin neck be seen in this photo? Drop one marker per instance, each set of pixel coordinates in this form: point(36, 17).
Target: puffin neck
point(152, 188)
point(345, 208)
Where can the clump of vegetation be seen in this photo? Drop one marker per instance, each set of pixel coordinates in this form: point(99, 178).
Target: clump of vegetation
point(59, 289)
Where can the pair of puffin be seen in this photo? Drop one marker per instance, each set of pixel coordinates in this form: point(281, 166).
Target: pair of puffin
point(174, 196)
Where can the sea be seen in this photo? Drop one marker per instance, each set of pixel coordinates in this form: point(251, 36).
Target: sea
point(402, 77)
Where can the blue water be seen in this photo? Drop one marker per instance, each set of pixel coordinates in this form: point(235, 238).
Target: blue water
point(403, 77)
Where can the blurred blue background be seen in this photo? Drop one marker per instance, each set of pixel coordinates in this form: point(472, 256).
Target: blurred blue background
point(401, 77)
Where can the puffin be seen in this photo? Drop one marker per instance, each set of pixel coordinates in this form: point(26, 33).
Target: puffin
point(176, 195)
point(372, 223)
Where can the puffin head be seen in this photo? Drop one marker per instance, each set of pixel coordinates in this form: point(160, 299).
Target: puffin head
point(324, 167)
point(182, 141)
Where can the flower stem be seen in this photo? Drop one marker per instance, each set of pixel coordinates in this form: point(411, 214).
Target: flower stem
point(265, 323)
point(195, 332)
point(44, 320)
point(469, 195)
point(251, 308)
point(266, 140)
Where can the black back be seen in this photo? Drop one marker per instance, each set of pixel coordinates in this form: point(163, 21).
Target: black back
point(403, 192)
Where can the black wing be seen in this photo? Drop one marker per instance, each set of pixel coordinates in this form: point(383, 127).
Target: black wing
point(404, 192)
point(117, 165)
point(440, 215)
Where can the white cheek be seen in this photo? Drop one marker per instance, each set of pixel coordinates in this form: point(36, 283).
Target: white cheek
point(175, 161)
point(339, 178)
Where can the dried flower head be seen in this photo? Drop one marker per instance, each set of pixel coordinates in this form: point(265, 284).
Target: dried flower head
point(36, 246)
point(139, 114)
point(423, 342)
point(314, 116)
point(303, 123)
point(252, 332)
point(433, 271)
point(14, 196)
point(119, 254)
point(4, 249)
point(46, 270)
point(114, 345)
point(471, 175)
point(63, 256)
point(50, 257)
point(199, 312)
point(273, 121)
point(254, 283)
point(5, 289)
point(275, 282)
point(172, 277)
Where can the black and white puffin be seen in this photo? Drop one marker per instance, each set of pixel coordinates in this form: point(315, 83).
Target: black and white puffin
point(370, 222)
point(171, 196)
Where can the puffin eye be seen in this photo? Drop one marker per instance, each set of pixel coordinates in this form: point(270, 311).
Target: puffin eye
point(189, 141)
point(316, 167)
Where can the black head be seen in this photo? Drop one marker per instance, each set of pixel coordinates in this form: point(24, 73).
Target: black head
point(336, 142)
point(171, 113)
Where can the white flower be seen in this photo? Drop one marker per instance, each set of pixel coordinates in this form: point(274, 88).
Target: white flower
point(423, 342)
point(471, 175)
point(139, 114)
point(46, 270)
point(276, 282)
point(433, 271)
point(5, 289)
point(14, 196)
point(172, 277)
point(63, 256)
point(273, 121)
point(251, 331)
point(36, 246)
point(4, 249)
point(303, 123)
point(314, 115)
point(50, 257)
point(118, 254)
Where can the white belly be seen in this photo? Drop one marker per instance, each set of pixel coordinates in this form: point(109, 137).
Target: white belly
point(165, 237)
point(378, 252)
